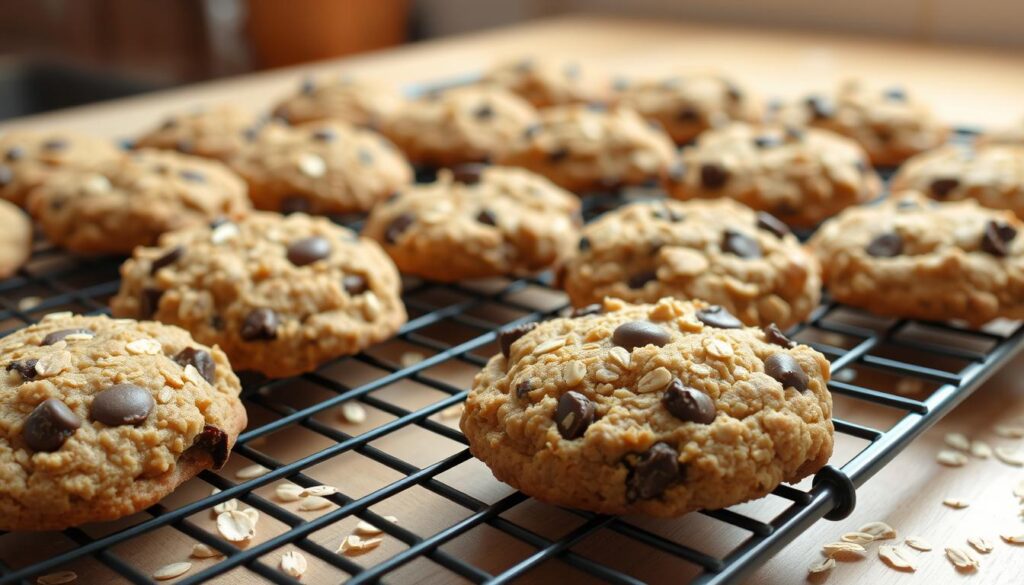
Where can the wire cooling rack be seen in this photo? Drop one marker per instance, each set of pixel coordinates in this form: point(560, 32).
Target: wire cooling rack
point(892, 379)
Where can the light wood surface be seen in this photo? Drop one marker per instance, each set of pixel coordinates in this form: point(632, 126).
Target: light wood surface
point(967, 85)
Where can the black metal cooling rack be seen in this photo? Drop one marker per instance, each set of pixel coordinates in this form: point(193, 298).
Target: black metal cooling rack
point(892, 379)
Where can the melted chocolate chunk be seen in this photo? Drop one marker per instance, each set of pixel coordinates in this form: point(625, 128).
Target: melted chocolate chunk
point(509, 336)
point(56, 336)
point(997, 237)
point(584, 244)
point(122, 404)
point(717, 316)
point(308, 250)
point(398, 226)
point(295, 204)
point(199, 359)
point(713, 176)
point(172, 256)
point(487, 217)
point(772, 334)
point(769, 222)
point(149, 302)
point(653, 472)
point(575, 412)
point(559, 154)
point(215, 442)
point(885, 246)
point(49, 425)
point(523, 388)
point(640, 279)
point(354, 284)
point(786, 370)
point(942, 187)
point(740, 244)
point(688, 404)
point(25, 368)
point(633, 334)
point(260, 324)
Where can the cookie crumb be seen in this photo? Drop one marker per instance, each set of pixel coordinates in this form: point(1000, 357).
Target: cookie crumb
point(410, 358)
point(1009, 431)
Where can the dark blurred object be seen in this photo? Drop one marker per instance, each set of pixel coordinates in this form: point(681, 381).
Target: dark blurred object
point(32, 87)
point(285, 33)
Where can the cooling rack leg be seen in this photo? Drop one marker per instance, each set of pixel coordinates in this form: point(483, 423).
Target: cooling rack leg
point(842, 487)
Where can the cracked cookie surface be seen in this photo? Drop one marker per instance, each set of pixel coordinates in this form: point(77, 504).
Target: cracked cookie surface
point(101, 418)
point(321, 167)
point(549, 82)
point(217, 132)
point(655, 409)
point(914, 257)
point(28, 158)
point(585, 148)
point(361, 103)
point(130, 201)
point(715, 250)
point(508, 222)
point(992, 175)
point(802, 176)
point(279, 294)
point(15, 239)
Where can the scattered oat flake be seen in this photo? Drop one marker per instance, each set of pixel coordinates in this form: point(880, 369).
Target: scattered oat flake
point(224, 233)
point(1011, 457)
point(857, 537)
point(353, 412)
point(253, 515)
point(236, 526)
point(410, 358)
point(314, 503)
point(958, 441)
point(58, 578)
point(880, 530)
point(549, 346)
point(1013, 538)
point(25, 304)
point(226, 506)
point(962, 558)
point(57, 315)
point(355, 545)
point(288, 492)
point(171, 571)
point(897, 557)
point(319, 490)
point(293, 563)
point(364, 528)
point(1009, 431)
point(981, 450)
point(840, 549)
point(251, 471)
point(822, 567)
point(918, 543)
point(980, 544)
point(204, 551)
point(956, 503)
point(951, 458)
point(79, 336)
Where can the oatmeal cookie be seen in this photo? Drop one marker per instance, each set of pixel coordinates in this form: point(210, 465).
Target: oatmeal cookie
point(27, 158)
point(339, 98)
point(15, 238)
point(548, 82)
point(216, 132)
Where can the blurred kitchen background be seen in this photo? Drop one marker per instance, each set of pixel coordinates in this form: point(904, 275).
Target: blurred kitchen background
point(59, 53)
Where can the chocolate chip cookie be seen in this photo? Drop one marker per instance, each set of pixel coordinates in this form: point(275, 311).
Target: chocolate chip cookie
point(130, 201)
point(101, 418)
point(658, 409)
point(15, 238)
point(992, 175)
point(279, 294)
point(801, 176)
point(550, 82)
point(27, 158)
point(339, 98)
point(216, 132)
point(917, 258)
point(890, 124)
point(466, 124)
point(509, 222)
point(685, 106)
point(718, 251)
point(587, 148)
point(323, 167)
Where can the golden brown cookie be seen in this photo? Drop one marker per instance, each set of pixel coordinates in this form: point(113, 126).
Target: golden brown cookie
point(718, 251)
point(279, 294)
point(321, 167)
point(101, 418)
point(216, 132)
point(341, 98)
point(508, 222)
point(15, 238)
point(27, 158)
point(656, 409)
point(550, 82)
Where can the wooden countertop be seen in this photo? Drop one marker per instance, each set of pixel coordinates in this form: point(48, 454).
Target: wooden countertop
point(967, 85)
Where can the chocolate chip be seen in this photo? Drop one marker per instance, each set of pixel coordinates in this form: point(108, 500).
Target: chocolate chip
point(896, 94)
point(354, 284)
point(169, 123)
point(308, 250)
point(512, 334)
point(55, 144)
point(786, 370)
point(769, 222)
point(740, 244)
point(794, 134)
point(653, 472)
point(688, 114)
point(398, 226)
point(26, 368)
point(6, 175)
point(308, 85)
point(716, 316)
point(522, 388)
point(594, 309)
point(663, 211)
point(996, 238)
point(260, 324)
point(767, 141)
point(633, 334)
point(531, 130)
point(56, 336)
point(640, 279)
point(772, 334)
point(558, 154)
point(49, 425)
point(295, 204)
point(575, 412)
point(122, 404)
point(483, 112)
point(487, 217)
point(365, 157)
point(688, 404)
point(325, 135)
point(199, 359)
point(184, 146)
point(149, 302)
point(584, 244)
point(468, 173)
point(942, 187)
point(821, 107)
point(15, 153)
point(219, 221)
point(214, 441)
point(713, 176)
point(170, 257)
point(885, 245)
